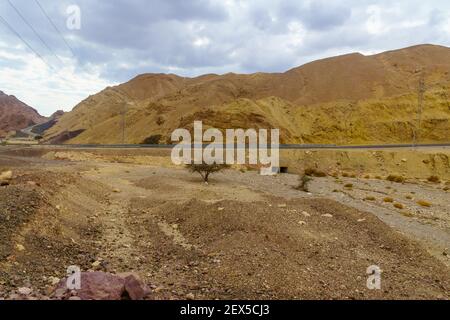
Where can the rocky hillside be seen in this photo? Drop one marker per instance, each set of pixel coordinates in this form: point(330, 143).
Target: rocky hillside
point(348, 99)
point(16, 115)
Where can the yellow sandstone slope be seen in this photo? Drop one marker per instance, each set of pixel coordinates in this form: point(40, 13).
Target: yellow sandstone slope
point(350, 99)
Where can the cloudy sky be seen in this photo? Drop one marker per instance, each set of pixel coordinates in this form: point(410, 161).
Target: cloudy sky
point(120, 39)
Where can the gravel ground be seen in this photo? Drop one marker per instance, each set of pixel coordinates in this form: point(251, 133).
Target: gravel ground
point(242, 236)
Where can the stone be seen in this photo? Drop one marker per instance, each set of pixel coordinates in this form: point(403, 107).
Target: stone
point(190, 296)
point(306, 214)
point(24, 291)
point(105, 286)
point(283, 205)
point(54, 280)
point(20, 247)
point(96, 264)
point(327, 215)
point(302, 223)
point(6, 176)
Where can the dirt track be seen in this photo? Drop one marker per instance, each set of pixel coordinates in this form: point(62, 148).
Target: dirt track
point(240, 237)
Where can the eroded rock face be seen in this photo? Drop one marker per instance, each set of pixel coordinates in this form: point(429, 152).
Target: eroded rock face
point(104, 286)
point(16, 115)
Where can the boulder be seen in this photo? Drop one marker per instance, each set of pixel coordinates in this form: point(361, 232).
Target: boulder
point(104, 286)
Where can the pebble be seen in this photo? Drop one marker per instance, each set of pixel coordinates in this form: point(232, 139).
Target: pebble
point(20, 247)
point(306, 214)
point(24, 291)
point(302, 223)
point(283, 205)
point(190, 296)
point(327, 215)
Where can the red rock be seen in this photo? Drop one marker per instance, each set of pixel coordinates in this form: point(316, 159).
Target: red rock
point(105, 286)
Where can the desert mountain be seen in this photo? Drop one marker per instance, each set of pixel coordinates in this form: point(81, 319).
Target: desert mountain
point(16, 115)
point(343, 100)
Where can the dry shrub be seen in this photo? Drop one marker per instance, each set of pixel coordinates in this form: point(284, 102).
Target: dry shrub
point(315, 173)
point(303, 183)
point(369, 199)
point(396, 178)
point(388, 199)
point(205, 170)
point(349, 185)
point(407, 214)
point(434, 179)
point(424, 203)
point(399, 206)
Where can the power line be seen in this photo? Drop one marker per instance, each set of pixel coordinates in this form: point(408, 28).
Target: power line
point(24, 41)
point(34, 31)
point(55, 27)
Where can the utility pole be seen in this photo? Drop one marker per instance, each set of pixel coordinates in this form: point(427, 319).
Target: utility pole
point(124, 121)
point(420, 101)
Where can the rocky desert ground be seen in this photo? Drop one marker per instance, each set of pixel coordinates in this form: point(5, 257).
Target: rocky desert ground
point(242, 236)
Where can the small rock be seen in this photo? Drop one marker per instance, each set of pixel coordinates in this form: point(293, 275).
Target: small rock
point(24, 291)
point(404, 160)
point(54, 280)
point(74, 298)
point(220, 209)
point(190, 296)
point(116, 190)
point(306, 214)
point(96, 264)
point(302, 223)
point(361, 220)
point(20, 247)
point(58, 207)
point(6, 176)
point(327, 215)
point(283, 205)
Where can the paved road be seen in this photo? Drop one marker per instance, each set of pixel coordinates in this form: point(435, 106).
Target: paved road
point(283, 146)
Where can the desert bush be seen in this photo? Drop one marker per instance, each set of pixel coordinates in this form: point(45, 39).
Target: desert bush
point(434, 179)
point(399, 205)
point(446, 188)
point(303, 183)
point(369, 198)
point(396, 178)
point(424, 203)
point(409, 197)
point(205, 170)
point(348, 185)
point(345, 175)
point(155, 139)
point(388, 199)
point(407, 214)
point(315, 173)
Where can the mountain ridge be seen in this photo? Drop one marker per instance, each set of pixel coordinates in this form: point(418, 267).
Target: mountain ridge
point(16, 115)
point(155, 104)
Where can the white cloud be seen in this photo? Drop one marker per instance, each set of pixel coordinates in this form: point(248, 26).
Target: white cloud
point(120, 39)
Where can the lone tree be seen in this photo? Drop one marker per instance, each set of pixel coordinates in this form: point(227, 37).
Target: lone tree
point(205, 170)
